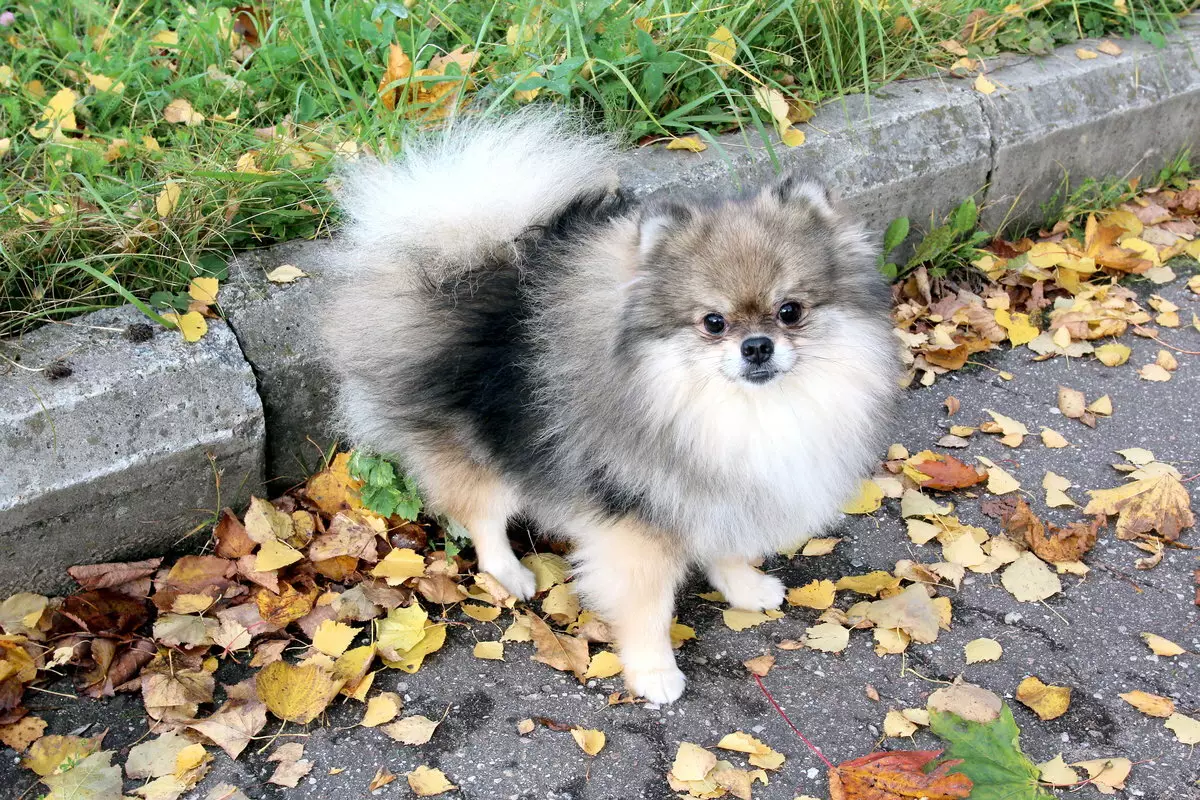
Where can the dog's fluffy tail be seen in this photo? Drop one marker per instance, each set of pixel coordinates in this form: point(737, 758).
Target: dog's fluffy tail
point(455, 198)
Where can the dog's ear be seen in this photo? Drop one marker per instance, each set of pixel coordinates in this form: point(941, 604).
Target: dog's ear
point(657, 222)
point(794, 187)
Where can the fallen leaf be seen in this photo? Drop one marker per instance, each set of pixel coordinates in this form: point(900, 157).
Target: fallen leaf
point(427, 782)
point(991, 754)
point(870, 584)
point(982, 650)
point(1056, 492)
point(983, 85)
point(1186, 729)
point(489, 651)
point(1113, 354)
point(93, 778)
point(296, 693)
point(942, 472)
point(179, 111)
point(399, 565)
point(867, 501)
point(1107, 775)
point(899, 774)
point(1155, 504)
point(549, 569)
point(1056, 772)
point(1151, 704)
point(1083, 54)
point(235, 724)
point(760, 755)
point(292, 767)
point(190, 324)
point(604, 664)
point(1109, 48)
point(1029, 579)
point(1154, 372)
point(286, 273)
point(691, 143)
point(589, 741)
point(381, 709)
point(1048, 702)
point(819, 547)
point(1052, 438)
point(1162, 647)
point(999, 480)
point(819, 594)
point(911, 611)
point(897, 726)
point(721, 47)
point(558, 650)
point(827, 637)
point(415, 730)
point(760, 665)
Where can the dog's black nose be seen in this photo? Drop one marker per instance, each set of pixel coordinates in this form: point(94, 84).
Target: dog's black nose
point(757, 349)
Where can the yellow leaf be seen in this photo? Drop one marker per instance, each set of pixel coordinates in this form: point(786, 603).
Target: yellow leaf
point(983, 650)
point(167, 199)
point(59, 114)
point(192, 326)
point(274, 554)
point(819, 547)
point(1157, 503)
point(204, 290)
point(491, 651)
point(400, 630)
point(1083, 54)
point(819, 595)
point(1113, 354)
point(1186, 729)
point(7, 77)
point(1056, 772)
point(180, 112)
point(737, 619)
point(691, 143)
point(868, 500)
point(416, 730)
point(870, 584)
point(1109, 48)
point(1052, 438)
point(548, 568)
point(1029, 579)
point(1048, 702)
point(681, 633)
point(286, 273)
point(760, 754)
point(332, 638)
point(165, 38)
point(1102, 406)
point(793, 137)
point(1161, 646)
point(49, 753)
point(1150, 704)
point(828, 637)
point(103, 83)
point(589, 741)
point(692, 762)
point(721, 47)
point(897, 726)
point(399, 68)
point(410, 661)
point(999, 480)
point(604, 664)
point(399, 565)
point(527, 95)
point(381, 709)
point(427, 782)
point(481, 613)
point(983, 85)
point(294, 693)
point(561, 604)
point(1020, 329)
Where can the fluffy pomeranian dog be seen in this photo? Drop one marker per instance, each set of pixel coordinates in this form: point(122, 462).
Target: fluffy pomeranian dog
point(690, 383)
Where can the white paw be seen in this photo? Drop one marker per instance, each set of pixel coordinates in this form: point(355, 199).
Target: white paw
point(755, 591)
point(660, 686)
point(520, 582)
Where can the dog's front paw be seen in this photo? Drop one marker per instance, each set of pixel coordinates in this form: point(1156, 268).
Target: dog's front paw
point(658, 685)
point(754, 591)
point(514, 576)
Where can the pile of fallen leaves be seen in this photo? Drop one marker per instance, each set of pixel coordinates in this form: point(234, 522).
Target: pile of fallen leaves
point(1056, 295)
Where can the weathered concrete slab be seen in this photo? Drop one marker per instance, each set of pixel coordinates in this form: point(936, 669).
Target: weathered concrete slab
point(121, 458)
point(1061, 119)
point(276, 326)
point(914, 149)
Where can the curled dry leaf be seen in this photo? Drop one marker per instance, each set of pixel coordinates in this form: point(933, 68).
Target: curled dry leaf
point(881, 776)
point(1048, 702)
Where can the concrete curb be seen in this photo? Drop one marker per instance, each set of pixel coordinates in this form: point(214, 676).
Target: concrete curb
point(140, 443)
point(126, 458)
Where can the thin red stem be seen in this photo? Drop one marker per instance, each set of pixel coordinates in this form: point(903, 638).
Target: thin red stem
point(795, 730)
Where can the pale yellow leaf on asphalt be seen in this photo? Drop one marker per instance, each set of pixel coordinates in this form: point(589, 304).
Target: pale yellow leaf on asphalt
point(818, 594)
point(381, 709)
point(1113, 354)
point(1052, 438)
point(489, 651)
point(1186, 729)
point(1056, 772)
point(1150, 704)
point(416, 730)
point(1048, 702)
point(819, 547)
point(604, 664)
point(1161, 646)
point(897, 726)
point(983, 650)
point(427, 782)
point(828, 637)
point(1029, 579)
point(867, 501)
point(690, 143)
point(590, 741)
point(692, 762)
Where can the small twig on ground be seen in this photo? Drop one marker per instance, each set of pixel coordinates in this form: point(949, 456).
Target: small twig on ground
point(795, 730)
point(1146, 332)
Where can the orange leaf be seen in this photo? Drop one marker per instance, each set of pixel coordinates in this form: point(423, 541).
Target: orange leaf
point(947, 472)
point(897, 776)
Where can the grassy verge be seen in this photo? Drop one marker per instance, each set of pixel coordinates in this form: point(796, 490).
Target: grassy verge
point(143, 141)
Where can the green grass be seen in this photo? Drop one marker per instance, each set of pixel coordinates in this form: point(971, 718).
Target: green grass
point(79, 227)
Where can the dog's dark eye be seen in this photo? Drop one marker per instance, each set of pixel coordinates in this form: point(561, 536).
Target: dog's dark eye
point(714, 324)
point(789, 313)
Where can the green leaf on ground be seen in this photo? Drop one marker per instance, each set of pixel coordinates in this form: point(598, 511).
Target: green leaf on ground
point(991, 756)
